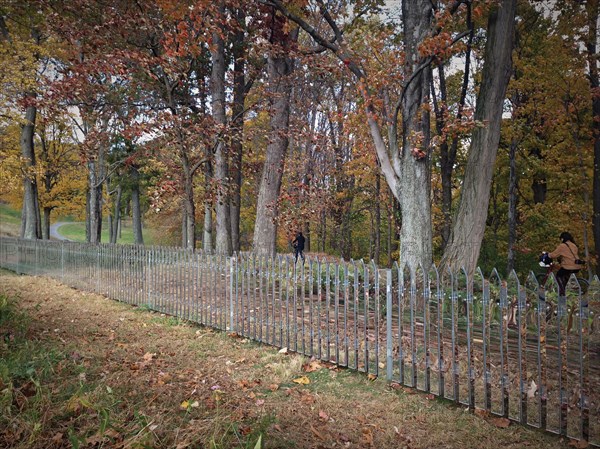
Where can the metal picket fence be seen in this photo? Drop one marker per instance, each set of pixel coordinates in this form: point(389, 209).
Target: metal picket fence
point(516, 350)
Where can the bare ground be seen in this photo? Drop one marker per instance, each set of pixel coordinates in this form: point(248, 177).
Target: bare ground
point(129, 378)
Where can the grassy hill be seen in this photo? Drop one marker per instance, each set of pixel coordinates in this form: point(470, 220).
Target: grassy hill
point(10, 225)
point(10, 221)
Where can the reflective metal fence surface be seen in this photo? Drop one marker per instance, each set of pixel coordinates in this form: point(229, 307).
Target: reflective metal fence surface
point(515, 349)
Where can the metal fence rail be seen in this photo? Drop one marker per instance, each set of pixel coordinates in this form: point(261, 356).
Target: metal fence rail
point(517, 350)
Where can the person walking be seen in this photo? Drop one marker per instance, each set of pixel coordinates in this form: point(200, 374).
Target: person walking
point(298, 245)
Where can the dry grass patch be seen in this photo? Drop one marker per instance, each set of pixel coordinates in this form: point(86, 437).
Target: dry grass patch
point(79, 370)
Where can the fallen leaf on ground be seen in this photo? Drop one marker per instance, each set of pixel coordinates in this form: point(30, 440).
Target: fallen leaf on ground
point(323, 416)
point(307, 398)
point(311, 366)
point(367, 437)
point(283, 351)
point(581, 444)
point(500, 422)
point(482, 413)
point(302, 380)
point(371, 377)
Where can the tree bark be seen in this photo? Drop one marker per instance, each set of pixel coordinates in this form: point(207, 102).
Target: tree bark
point(279, 67)
point(30, 225)
point(377, 233)
point(95, 177)
point(412, 186)
point(593, 11)
point(207, 230)
point(116, 215)
point(237, 125)
point(189, 207)
point(136, 210)
point(223, 242)
point(469, 226)
point(513, 182)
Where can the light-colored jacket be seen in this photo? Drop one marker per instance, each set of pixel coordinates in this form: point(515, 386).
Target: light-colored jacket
point(566, 253)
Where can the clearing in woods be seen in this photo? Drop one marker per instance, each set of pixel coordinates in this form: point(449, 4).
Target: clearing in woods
point(79, 370)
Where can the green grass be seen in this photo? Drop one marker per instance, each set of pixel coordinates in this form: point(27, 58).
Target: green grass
point(10, 223)
point(9, 215)
point(76, 232)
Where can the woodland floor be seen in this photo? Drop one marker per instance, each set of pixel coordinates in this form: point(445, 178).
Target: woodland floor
point(79, 370)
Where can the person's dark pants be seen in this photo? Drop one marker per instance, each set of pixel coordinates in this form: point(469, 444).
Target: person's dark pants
point(562, 277)
point(298, 251)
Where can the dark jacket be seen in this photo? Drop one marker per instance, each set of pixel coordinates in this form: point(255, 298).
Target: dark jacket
point(299, 242)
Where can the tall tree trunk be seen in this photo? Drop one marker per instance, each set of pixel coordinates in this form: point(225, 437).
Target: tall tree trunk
point(95, 182)
point(189, 211)
point(184, 227)
point(390, 232)
point(279, 67)
point(114, 232)
point(223, 242)
point(593, 11)
point(377, 233)
point(237, 122)
point(207, 230)
point(30, 225)
point(46, 224)
point(47, 181)
point(136, 210)
point(413, 186)
point(469, 226)
point(513, 182)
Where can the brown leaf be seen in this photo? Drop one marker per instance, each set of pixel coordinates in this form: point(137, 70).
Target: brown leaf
point(307, 398)
point(367, 436)
point(311, 366)
point(500, 422)
point(273, 387)
point(323, 416)
point(482, 413)
point(579, 444)
point(430, 397)
point(371, 377)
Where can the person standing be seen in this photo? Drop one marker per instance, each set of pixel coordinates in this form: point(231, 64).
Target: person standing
point(298, 245)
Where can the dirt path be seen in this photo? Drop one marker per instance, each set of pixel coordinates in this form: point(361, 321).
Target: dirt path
point(54, 231)
point(147, 380)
